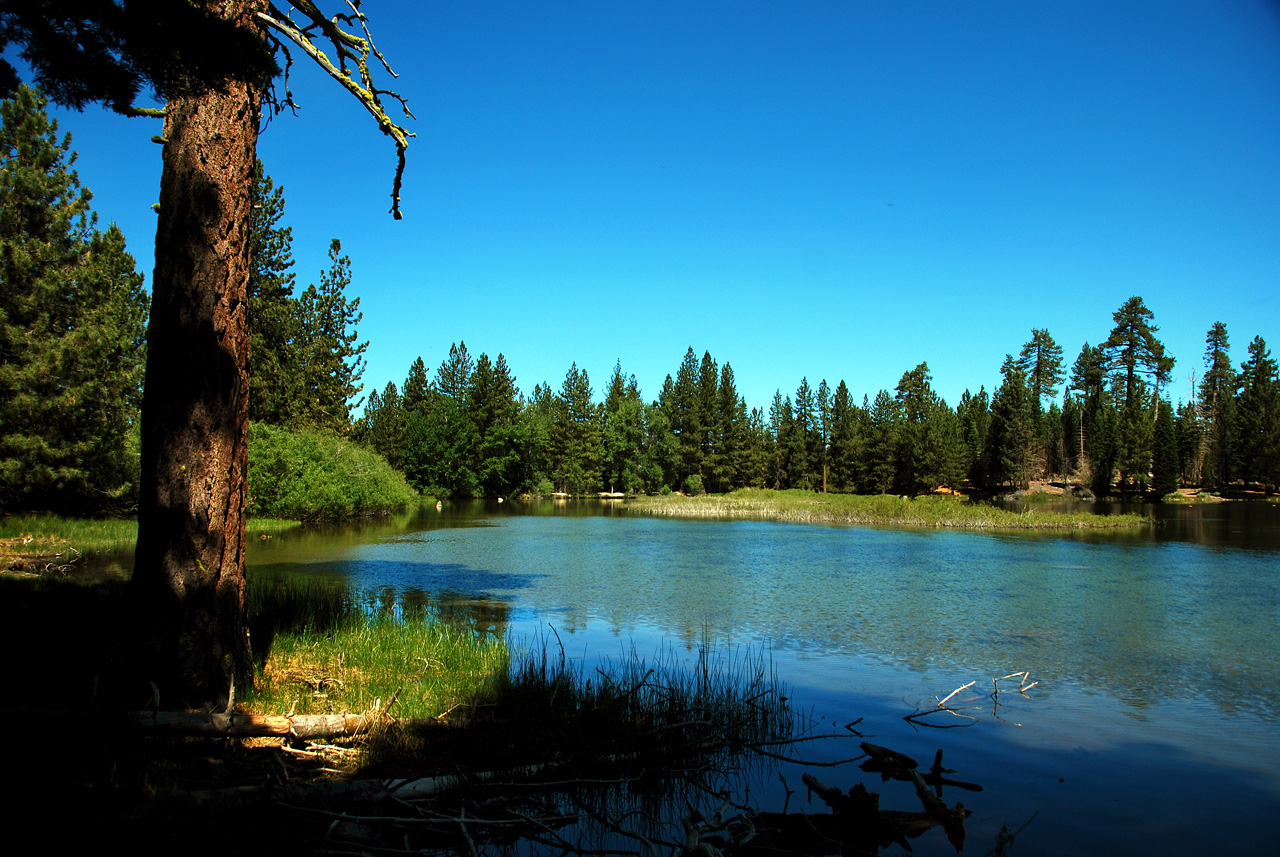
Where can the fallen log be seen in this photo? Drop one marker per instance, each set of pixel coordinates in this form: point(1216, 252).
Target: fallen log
point(308, 726)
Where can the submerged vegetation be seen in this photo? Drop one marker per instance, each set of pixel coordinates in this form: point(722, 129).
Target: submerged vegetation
point(887, 509)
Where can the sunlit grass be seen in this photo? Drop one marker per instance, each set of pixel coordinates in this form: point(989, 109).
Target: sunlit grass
point(878, 509)
point(327, 653)
point(53, 535)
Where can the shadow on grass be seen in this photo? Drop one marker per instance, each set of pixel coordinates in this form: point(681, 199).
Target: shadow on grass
point(636, 756)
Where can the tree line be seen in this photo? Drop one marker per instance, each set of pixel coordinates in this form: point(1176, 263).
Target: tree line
point(468, 431)
point(72, 348)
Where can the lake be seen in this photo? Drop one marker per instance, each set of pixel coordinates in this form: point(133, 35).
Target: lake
point(1155, 726)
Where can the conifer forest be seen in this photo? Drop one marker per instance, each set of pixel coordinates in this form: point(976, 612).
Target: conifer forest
point(73, 315)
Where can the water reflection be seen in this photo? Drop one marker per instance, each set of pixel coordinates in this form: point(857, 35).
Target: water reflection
point(1157, 650)
point(1118, 614)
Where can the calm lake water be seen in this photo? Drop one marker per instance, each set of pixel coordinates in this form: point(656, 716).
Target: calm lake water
point(1155, 728)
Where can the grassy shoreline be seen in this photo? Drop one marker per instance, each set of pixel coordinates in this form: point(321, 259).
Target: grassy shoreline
point(324, 651)
point(933, 512)
point(31, 536)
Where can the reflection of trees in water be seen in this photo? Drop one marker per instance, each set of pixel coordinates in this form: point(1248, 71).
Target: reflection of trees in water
point(477, 613)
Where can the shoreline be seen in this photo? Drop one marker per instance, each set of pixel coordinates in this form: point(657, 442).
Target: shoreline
point(926, 512)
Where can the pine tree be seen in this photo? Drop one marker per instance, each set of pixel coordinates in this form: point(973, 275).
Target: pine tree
point(1257, 430)
point(330, 357)
point(1094, 432)
point(494, 405)
point(974, 413)
point(802, 456)
point(1217, 408)
point(824, 429)
point(1132, 351)
point(1011, 439)
point(705, 417)
point(781, 426)
point(916, 403)
point(72, 316)
point(1190, 438)
point(1164, 453)
point(417, 390)
point(272, 310)
point(210, 63)
point(575, 437)
point(680, 403)
point(1041, 363)
point(730, 421)
point(844, 442)
point(382, 428)
point(883, 424)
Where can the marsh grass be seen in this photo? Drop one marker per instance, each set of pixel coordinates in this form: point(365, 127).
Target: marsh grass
point(63, 539)
point(880, 509)
point(631, 712)
point(322, 650)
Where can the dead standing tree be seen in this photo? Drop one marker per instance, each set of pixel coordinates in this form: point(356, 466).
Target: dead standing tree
point(213, 61)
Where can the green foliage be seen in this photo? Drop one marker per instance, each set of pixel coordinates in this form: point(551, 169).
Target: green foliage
point(272, 311)
point(305, 357)
point(91, 51)
point(329, 355)
point(494, 407)
point(1041, 363)
point(361, 655)
point(1011, 438)
point(693, 485)
point(1217, 407)
point(1257, 431)
point(72, 322)
point(1164, 453)
point(307, 475)
point(1132, 351)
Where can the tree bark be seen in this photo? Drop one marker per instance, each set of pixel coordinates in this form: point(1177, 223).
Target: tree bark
point(188, 580)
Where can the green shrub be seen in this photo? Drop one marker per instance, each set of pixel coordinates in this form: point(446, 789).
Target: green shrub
point(693, 485)
point(310, 476)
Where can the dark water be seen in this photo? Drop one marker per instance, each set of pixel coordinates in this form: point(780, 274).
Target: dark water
point(1155, 728)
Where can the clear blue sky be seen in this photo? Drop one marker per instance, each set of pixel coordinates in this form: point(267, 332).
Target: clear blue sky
point(831, 190)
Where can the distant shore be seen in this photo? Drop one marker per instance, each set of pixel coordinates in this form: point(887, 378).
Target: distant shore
point(933, 512)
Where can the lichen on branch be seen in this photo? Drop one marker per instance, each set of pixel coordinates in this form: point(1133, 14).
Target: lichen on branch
point(348, 50)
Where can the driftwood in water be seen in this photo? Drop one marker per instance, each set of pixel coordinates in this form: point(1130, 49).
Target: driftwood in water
point(856, 823)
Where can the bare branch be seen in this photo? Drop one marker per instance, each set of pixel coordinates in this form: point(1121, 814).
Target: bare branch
point(348, 50)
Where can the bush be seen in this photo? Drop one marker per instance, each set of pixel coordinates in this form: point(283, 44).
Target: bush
point(693, 485)
point(309, 476)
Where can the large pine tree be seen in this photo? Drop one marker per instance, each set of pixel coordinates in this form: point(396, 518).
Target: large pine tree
point(1257, 429)
point(329, 357)
point(272, 311)
point(1217, 408)
point(72, 320)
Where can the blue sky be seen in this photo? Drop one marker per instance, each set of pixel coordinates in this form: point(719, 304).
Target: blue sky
point(831, 190)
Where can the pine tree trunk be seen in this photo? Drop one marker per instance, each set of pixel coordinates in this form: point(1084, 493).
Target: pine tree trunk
point(188, 581)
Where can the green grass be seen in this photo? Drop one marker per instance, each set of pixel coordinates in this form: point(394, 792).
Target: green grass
point(322, 651)
point(42, 533)
point(60, 539)
point(644, 713)
point(881, 509)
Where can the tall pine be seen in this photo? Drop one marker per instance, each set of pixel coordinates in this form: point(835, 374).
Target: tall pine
point(72, 321)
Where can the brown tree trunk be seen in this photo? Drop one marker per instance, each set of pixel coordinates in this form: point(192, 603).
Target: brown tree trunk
point(188, 579)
